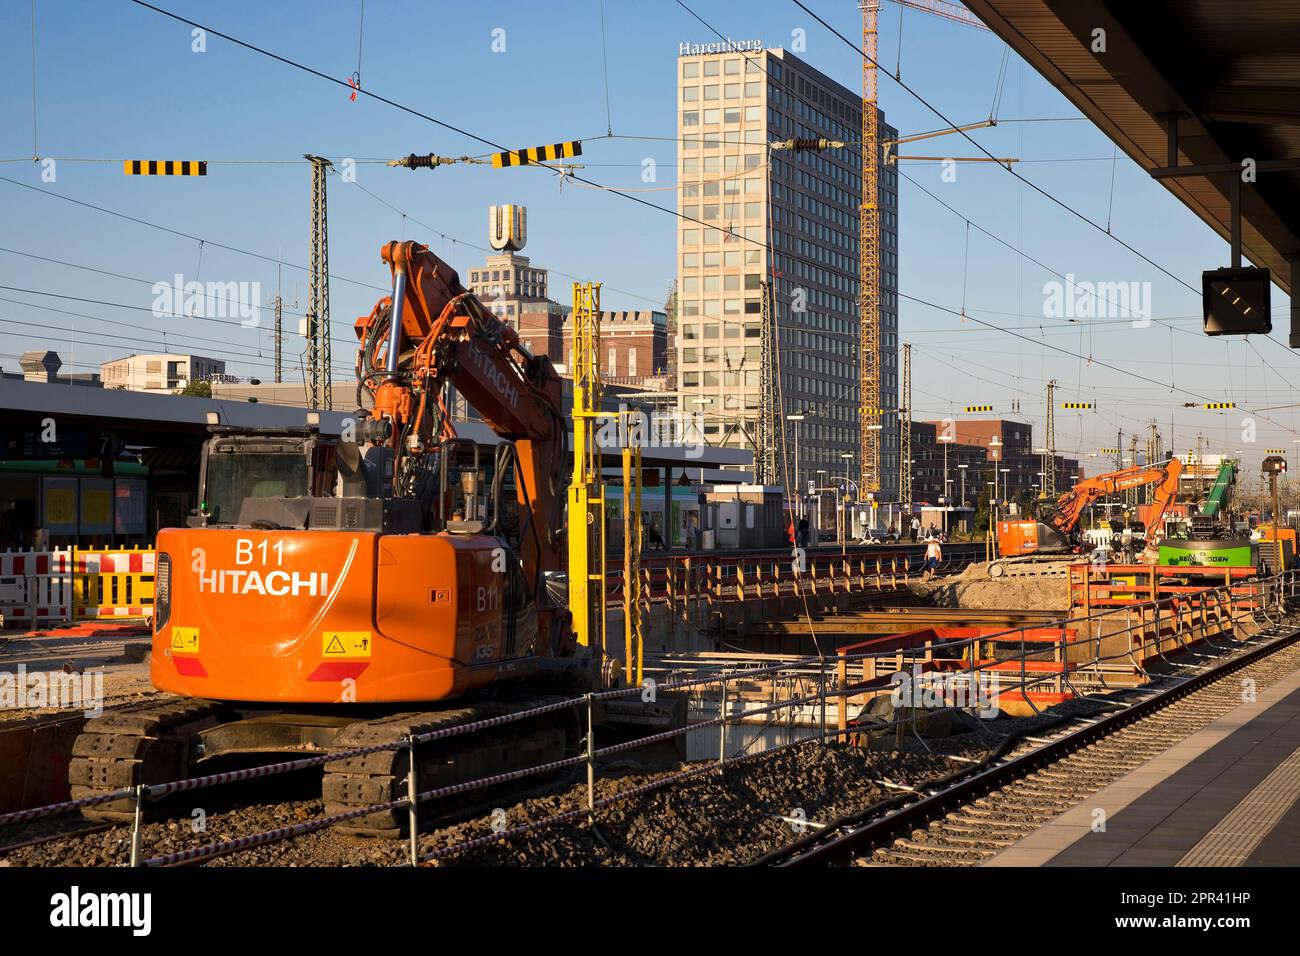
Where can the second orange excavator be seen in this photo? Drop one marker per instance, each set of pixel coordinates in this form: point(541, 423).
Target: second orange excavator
point(1055, 531)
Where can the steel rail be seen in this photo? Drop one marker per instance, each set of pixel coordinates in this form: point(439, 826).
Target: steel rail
point(841, 838)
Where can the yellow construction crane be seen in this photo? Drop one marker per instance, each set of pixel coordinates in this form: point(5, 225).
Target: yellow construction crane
point(869, 410)
point(869, 267)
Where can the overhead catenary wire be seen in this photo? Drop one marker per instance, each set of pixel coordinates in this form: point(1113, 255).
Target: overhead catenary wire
point(1030, 183)
point(184, 235)
point(1024, 181)
point(617, 192)
point(425, 116)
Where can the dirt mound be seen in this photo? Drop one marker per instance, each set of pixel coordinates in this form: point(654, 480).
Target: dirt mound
point(973, 588)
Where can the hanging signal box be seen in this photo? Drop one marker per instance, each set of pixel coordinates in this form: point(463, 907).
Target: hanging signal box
point(1236, 301)
point(1076, 404)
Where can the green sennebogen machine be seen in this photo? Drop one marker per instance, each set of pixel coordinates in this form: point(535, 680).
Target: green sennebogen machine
point(1206, 539)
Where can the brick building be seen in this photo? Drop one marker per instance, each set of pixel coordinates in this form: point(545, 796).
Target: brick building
point(633, 345)
point(985, 445)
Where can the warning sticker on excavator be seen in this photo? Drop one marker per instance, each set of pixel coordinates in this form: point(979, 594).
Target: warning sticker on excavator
point(346, 643)
point(185, 640)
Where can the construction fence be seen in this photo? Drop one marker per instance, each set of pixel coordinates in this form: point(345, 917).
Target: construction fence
point(46, 588)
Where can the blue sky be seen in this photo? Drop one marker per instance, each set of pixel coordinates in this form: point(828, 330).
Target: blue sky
point(115, 81)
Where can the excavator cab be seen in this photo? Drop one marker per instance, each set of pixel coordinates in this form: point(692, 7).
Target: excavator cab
point(260, 463)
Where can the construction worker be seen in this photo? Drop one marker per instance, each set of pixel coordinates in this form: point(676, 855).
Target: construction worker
point(933, 555)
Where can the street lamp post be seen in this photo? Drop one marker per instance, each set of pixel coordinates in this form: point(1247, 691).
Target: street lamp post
point(995, 455)
point(798, 488)
point(947, 499)
point(961, 468)
point(990, 552)
point(844, 506)
point(874, 497)
point(822, 482)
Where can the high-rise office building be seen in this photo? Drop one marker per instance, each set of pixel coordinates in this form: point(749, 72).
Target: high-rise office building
point(791, 217)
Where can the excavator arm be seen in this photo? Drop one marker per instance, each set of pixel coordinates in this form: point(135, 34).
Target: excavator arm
point(432, 332)
point(1071, 505)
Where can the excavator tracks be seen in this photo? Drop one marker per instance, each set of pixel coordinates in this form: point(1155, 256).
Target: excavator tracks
point(149, 743)
point(160, 742)
point(382, 776)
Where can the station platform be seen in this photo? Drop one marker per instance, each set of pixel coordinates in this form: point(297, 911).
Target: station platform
point(1228, 795)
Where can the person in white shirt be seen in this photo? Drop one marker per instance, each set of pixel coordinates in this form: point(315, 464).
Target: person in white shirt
point(933, 555)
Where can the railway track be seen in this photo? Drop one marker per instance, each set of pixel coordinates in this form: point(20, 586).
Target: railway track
point(970, 816)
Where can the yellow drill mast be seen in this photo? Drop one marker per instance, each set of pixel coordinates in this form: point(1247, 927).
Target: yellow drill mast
point(869, 267)
point(587, 491)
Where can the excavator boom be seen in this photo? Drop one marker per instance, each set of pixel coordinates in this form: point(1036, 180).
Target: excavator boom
point(1071, 505)
point(1056, 533)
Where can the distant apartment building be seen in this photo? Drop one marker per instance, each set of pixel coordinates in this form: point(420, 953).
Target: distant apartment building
point(965, 470)
point(792, 216)
point(164, 372)
point(1007, 448)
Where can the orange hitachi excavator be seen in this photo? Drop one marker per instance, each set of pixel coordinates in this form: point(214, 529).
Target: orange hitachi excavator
point(330, 591)
point(1055, 531)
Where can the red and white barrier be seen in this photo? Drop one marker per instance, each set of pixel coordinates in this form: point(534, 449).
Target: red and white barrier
point(36, 587)
point(116, 562)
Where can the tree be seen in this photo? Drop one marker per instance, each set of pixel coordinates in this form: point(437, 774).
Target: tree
point(198, 390)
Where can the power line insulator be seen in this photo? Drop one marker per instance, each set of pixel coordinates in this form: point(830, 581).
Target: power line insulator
point(805, 145)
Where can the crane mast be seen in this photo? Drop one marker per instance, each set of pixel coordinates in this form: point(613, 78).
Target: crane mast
point(869, 268)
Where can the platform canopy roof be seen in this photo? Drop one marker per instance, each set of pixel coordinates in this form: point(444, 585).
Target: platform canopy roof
point(1227, 70)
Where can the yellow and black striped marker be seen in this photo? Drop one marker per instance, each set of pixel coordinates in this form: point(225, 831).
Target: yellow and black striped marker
point(164, 167)
point(979, 408)
point(1275, 451)
point(1076, 404)
point(537, 154)
point(1110, 451)
point(1220, 404)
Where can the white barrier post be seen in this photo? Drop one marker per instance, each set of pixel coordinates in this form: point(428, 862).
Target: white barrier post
point(412, 815)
